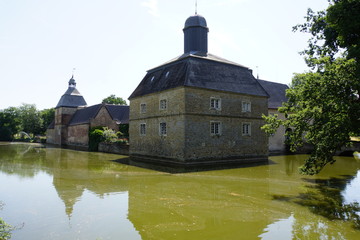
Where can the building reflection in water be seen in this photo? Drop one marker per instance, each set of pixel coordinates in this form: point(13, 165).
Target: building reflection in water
point(258, 202)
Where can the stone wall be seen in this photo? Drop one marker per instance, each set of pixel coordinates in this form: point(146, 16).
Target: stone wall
point(188, 117)
point(231, 142)
point(78, 135)
point(50, 136)
point(152, 144)
point(114, 148)
point(103, 118)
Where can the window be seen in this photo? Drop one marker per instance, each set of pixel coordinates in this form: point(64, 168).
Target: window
point(162, 129)
point(142, 129)
point(163, 104)
point(246, 106)
point(215, 128)
point(246, 129)
point(143, 108)
point(215, 103)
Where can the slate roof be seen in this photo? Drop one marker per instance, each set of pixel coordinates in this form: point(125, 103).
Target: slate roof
point(195, 21)
point(119, 113)
point(84, 115)
point(208, 72)
point(276, 92)
point(71, 98)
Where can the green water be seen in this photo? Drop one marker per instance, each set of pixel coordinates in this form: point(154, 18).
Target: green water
point(56, 193)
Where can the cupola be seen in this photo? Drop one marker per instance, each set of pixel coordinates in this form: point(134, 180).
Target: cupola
point(195, 35)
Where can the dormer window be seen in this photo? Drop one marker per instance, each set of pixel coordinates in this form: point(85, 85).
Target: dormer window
point(215, 103)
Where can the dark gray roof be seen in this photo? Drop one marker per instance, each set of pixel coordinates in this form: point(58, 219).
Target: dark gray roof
point(119, 113)
point(84, 115)
point(71, 98)
point(208, 72)
point(195, 21)
point(276, 92)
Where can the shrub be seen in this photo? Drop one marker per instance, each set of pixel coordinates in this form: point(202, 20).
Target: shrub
point(95, 137)
point(109, 135)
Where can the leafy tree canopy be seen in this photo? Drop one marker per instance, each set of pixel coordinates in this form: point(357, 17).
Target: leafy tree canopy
point(112, 99)
point(323, 105)
point(24, 118)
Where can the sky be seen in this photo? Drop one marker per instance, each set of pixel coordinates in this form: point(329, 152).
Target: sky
point(112, 43)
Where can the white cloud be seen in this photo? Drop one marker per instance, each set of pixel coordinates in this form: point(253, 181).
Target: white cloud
point(152, 6)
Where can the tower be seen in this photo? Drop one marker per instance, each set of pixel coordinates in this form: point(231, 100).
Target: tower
point(196, 35)
point(65, 109)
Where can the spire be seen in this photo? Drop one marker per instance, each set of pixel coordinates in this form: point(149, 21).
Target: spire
point(195, 7)
point(72, 82)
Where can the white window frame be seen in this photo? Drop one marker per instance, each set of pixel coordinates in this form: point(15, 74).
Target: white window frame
point(215, 103)
point(163, 104)
point(162, 129)
point(246, 106)
point(143, 108)
point(246, 129)
point(215, 128)
point(142, 129)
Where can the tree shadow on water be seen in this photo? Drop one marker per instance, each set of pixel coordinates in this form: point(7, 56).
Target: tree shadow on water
point(323, 197)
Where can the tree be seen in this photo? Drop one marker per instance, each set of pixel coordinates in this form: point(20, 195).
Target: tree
point(112, 99)
point(47, 116)
point(323, 105)
point(31, 121)
point(9, 123)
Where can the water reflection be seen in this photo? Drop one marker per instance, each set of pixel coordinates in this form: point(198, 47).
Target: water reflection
point(100, 198)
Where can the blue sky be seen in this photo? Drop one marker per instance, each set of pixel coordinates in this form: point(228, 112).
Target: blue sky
point(112, 43)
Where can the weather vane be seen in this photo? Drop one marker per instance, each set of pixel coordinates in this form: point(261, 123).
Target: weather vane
point(73, 71)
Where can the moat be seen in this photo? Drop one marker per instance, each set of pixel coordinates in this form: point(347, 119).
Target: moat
point(53, 193)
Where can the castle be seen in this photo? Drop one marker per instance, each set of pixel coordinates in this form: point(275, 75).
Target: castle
point(198, 108)
point(195, 109)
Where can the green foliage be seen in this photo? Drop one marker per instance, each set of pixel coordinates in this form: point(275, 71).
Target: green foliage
point(112, 99)
point(24, 118)
point(334, 30)
point(47, 116)
point(31, 122)
point(124, 130)
point(323, 105)
point(95, 137)
point(9, 123)
point(5, 229)
point(109, 135)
